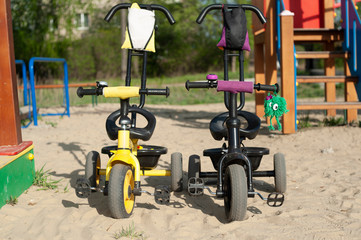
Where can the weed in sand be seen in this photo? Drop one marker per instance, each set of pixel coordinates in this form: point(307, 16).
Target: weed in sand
point(42, 179)
point(305, 122)
point(333, 121)
point(129, 232)
point(53, 124)
point(12, 201)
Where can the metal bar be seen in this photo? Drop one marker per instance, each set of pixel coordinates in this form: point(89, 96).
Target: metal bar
point(25, 80)
point(208, 174)
point(32, 84)
point(155, 173)
point(264, 174)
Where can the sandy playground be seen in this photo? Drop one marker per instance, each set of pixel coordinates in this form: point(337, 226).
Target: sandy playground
point(323, 199)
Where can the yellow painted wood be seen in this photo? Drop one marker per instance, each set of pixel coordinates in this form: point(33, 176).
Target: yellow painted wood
point(5, 160)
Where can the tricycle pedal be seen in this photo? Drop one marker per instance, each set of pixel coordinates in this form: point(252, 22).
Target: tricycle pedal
point(275, 199)
point(82, 188)
point(195, 186)
point(162, 194)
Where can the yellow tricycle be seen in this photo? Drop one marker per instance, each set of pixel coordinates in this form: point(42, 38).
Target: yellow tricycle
point(128, 160)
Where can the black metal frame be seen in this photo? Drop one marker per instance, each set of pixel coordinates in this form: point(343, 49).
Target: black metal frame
point(233, 153)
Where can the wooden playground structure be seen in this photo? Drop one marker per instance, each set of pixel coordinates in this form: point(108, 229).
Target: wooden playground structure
point(16, 156)
point(311, 22)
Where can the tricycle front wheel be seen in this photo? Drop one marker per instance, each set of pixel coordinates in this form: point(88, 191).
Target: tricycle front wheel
point(236, 193)
point(121, 197)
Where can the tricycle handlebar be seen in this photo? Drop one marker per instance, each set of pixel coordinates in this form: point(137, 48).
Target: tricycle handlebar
point(209, 8)
point(81, 92)
point(149, 91)
point(117, 7)
point(232, 86)
point(122, 92)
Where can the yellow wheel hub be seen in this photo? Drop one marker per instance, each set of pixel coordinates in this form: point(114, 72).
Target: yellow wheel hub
point(128, 191)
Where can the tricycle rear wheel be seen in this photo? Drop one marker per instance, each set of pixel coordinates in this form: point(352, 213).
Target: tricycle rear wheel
point(280, 172)
point(194, 166)
point(177, 172)
point(92, 166)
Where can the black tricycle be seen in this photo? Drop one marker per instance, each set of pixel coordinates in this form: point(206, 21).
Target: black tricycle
point(236, 165)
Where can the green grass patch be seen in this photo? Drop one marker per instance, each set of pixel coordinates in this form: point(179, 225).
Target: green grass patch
point(315, 90)
point(50, 98)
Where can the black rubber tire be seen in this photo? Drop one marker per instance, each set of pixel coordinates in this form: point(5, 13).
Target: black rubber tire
point(121, 182)
point(280, 172)
point(177, 172)
point(92, 166)
point(194, 166)
point(236, 193)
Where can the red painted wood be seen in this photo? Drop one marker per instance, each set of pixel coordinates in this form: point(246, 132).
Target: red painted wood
point(308, 13)
point(10, 130)
point(14, 149)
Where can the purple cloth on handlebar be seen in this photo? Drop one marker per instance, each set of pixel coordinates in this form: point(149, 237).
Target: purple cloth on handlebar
point(235, 86)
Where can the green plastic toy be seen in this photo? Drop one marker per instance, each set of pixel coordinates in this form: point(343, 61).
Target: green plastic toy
point(275, 106)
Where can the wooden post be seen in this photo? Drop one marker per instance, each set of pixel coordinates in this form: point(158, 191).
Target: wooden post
point(270, 43)
point(330, 87)
point(328, 14)
point(330, 69)
point(10, 130)
point(259, 60)
point(259, 76)
point(350, 95)
point(287, 71)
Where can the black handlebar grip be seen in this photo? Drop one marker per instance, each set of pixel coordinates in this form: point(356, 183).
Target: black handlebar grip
point(149, 91)
point(114, 9)
point(211, 7)
point(204, 84)
point(272, 88)
point(81, 92)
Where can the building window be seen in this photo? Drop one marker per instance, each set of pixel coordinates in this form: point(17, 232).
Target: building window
point(82, 21)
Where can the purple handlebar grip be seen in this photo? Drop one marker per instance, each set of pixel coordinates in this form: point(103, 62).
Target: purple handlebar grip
point(212, 77)
point(235, 86)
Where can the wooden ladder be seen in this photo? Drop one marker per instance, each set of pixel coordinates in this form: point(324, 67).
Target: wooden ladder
point(328, 38)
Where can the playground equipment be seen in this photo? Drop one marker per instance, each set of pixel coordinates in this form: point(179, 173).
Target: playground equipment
point(65, 86)
point(235, 164)
point(129, 160)
point(17, 170)
point(26, 91)
point(16, 156)
point(310, 23)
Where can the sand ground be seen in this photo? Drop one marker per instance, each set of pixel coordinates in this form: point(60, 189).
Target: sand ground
point(323, 199)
